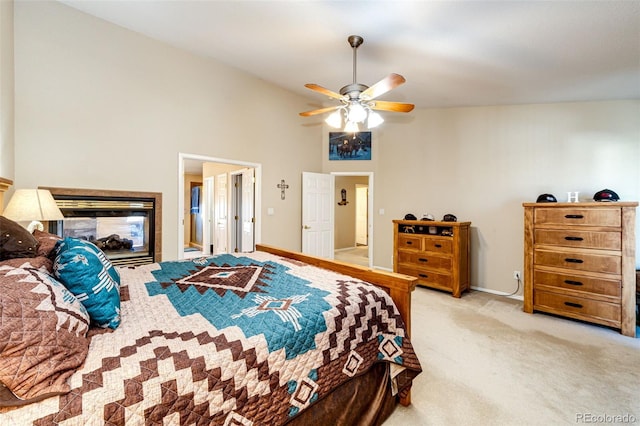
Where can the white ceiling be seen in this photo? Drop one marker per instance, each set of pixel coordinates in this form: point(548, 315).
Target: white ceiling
point(452, 53)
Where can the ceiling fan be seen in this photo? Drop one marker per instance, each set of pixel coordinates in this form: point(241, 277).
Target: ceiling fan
point(358, 101)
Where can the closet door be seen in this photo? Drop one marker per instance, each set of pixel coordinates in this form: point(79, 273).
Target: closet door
point(248, 220)
point(220, 241)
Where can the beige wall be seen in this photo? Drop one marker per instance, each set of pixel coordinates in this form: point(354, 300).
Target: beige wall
point(482, 163)
point(215, 169)
point(6, 90)
point(101, 107)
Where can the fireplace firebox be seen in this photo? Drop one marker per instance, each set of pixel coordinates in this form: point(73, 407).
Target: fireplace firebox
point(125, 225)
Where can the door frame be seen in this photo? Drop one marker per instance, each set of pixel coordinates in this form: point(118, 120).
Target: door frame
point(369, 208)
point(362, 191)
point(207, 216)
point(257, 204)
point(193, 224)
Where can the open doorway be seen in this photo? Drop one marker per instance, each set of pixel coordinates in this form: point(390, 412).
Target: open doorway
point(194, 240)
point(353, 218)
point(223, 229)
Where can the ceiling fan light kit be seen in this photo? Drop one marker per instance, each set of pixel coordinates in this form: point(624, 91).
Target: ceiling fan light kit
point(334, 119)
point(374, 119)
point(357, 100)
point(357, 113)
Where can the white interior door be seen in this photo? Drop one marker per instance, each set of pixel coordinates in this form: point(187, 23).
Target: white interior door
point(362, 214)
point(221, 215)
point(207, 215)
point(317, 214)
point(248, 219)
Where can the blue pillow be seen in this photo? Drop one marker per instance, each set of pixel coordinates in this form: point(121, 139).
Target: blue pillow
point(87, 273)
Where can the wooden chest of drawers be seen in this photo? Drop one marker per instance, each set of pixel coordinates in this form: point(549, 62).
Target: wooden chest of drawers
point(437, 253)
point(579, 261)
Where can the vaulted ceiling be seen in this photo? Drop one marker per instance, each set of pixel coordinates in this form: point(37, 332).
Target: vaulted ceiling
point(452, 53)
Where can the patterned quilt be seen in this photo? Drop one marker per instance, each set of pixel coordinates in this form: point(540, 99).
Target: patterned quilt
point(242, 339)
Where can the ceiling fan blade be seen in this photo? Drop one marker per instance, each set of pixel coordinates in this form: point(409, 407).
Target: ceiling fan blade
point(383, 86)
point(323, 90)
point(318, 111)
point(391, 106)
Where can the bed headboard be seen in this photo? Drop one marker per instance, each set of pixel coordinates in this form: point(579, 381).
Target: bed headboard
point(4, 185)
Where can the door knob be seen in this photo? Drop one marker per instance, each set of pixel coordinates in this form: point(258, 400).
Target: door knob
point(306, 227)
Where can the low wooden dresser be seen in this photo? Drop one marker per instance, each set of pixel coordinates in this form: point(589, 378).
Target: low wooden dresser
point(579, 261)
point(437, 253)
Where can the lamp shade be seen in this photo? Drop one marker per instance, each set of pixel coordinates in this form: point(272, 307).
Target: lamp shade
point(374, 119)
point(357, 113)
point(32, 205)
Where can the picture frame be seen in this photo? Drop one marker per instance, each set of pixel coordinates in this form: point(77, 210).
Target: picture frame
point(349, 146)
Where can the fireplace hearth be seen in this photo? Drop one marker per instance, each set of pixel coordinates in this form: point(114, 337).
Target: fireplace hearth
point(125, 225)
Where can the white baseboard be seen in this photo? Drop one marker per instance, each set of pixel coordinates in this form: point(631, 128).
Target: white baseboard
point(499, 293)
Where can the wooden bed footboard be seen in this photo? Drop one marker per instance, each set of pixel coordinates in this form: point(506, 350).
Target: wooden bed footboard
point(398, 286)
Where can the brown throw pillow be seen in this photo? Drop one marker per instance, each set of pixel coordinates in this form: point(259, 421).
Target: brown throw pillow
point(15, 241)
point(46, 242)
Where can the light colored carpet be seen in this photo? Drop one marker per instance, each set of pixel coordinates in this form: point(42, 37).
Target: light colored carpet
point(486, 362)
point(358, 255)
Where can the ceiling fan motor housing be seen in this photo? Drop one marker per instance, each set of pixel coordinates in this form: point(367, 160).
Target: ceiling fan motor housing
point(353, 90)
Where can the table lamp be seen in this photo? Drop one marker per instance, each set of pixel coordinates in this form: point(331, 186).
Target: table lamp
point(33, 205)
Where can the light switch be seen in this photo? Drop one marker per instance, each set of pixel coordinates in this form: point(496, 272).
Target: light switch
point(270, 211)
point(381, 212)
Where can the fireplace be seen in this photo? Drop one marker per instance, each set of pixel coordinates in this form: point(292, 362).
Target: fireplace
point(125, 225)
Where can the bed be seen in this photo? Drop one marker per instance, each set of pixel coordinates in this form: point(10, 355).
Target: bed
point(269, 337)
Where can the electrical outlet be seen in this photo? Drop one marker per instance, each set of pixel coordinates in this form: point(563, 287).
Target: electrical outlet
point(516, 275)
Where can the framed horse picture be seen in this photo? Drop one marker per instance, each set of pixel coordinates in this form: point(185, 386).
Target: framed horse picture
point(349, 146)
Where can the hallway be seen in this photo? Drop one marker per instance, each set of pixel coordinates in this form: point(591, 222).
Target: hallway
point(358, 255)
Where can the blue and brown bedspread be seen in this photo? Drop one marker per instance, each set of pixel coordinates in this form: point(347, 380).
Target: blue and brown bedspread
point(238, 339)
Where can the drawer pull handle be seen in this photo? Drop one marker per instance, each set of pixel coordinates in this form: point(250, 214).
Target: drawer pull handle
point(574, 238)
point(409, 242)
point(573, 305)
point(571, 282)
point(422, 259)
point(438, 245)
point(571, 260)
point(423, 275)
point(574, 216)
